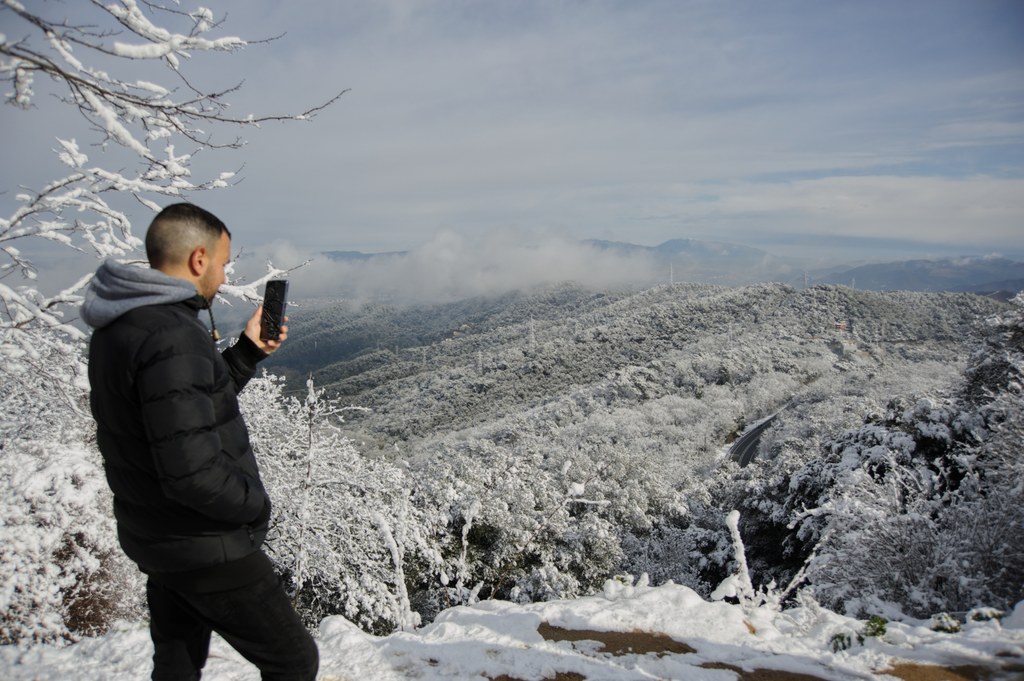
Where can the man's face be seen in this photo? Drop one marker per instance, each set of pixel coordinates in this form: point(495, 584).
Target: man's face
point(213, 276)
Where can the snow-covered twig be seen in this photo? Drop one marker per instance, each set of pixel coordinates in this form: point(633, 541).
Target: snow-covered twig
point(737, 585)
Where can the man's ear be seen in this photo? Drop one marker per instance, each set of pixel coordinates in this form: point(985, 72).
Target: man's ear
point(198, 260)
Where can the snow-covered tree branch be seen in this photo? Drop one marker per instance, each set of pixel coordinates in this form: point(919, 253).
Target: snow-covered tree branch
point(148, 133)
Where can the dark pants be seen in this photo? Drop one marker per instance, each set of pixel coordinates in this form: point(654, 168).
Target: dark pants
point(257, 620)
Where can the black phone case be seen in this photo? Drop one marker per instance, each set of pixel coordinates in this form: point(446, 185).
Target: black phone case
point(275, 299)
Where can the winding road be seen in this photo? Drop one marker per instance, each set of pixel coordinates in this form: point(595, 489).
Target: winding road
point(744, 449)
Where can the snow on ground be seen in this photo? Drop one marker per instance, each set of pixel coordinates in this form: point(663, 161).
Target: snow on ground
point(627, 633)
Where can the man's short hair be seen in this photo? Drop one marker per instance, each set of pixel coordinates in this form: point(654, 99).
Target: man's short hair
point(177, 230)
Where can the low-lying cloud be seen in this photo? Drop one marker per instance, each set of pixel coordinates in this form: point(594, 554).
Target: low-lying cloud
point(454, 265)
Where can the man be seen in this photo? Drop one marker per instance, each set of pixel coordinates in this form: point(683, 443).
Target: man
point(190, 507)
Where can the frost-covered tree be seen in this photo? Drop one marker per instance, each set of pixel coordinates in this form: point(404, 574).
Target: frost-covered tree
point(124, 67)
point(343, 529)
point(532, 516)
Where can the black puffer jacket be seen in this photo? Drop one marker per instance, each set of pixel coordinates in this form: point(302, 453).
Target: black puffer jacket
point(187, 491)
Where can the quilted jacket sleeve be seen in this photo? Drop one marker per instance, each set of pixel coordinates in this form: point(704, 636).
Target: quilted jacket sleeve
point(242, 358)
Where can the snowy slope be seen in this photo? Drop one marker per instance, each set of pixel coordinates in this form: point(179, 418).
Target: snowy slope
point(665, 632)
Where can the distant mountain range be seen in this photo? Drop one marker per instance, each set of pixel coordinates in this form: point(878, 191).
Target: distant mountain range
point(359, 255)
point(709, 262)
point(985, 275)
point(712, 262)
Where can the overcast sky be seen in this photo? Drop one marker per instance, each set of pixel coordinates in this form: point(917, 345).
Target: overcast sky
point(894, 128)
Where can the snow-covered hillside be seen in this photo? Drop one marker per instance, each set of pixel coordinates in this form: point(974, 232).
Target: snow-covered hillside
point(427, 372)
point(569, 434)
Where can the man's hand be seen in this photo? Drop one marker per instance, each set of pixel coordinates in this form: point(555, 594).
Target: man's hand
point(252, 330)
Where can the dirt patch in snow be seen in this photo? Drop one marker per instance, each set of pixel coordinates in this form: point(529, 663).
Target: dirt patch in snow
point(762, 674)
point(909, 671)
point(618, 643)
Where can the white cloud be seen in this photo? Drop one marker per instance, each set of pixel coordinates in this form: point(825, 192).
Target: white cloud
point(592, 119)
point(453, 265)
point(973, 212)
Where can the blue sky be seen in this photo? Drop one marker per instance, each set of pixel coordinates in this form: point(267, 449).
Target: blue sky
point(806, 127)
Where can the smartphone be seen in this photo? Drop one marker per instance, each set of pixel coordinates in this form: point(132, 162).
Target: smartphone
point(275, 299)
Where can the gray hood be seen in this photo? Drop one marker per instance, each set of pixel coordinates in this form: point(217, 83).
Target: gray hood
point(117, 288)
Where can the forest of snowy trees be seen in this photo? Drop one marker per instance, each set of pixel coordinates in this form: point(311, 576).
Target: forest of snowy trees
point(526, 447)
point(579, 434)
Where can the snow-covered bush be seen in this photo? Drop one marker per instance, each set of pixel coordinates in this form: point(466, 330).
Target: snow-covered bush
point(922, 509)
point(504, 516)
point(520, 521)
point(343, 528)
point(900, 524)
point(64, 574)
point(692, 550)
